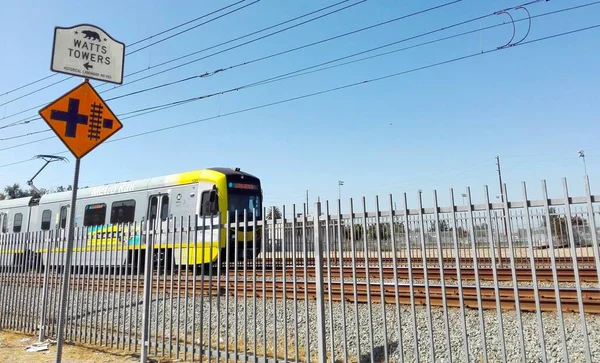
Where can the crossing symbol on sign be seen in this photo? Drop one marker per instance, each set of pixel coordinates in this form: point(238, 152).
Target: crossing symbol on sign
point(81, 119)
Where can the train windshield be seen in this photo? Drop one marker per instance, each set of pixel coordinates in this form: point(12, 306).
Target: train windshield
point(247, 201)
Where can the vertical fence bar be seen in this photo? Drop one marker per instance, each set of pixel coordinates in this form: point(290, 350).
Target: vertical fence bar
point(355, 287)
point(110, 312)
point(426, 277)
point(320, 312)
point(274, 277)
point(139, 261)
point(340, 258)
point(457, 259)
point(327, 250)
point(410, 278)
point(381, 278)
point(19, 293)
point(245, 282)
point(227, 273)
point(284, 270)
point(181, 268)
point(554, 272)
point(255, 278)
point(584, 330)
point(396, 283)
point(171, 287)
point(495, 272)
point(210, 286)
point(264, 278)
point(102, 278)
point(147, 301)
point(166, 256)
point(442, 276)
point(592, 222)
point(477, 281)
point(367, 277)
point(45, 288)
point(235, 284)
point(202, 284)
point(194, 278)
point(305, 254)
point(536, 291)
point(295, 280)
point(511, 254)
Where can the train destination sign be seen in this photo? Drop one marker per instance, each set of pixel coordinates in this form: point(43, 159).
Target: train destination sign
point(87, 51)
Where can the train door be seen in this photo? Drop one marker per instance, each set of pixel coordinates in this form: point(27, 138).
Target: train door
point(158, 215)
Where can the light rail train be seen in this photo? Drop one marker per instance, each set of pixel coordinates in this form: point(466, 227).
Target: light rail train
point(107, 214)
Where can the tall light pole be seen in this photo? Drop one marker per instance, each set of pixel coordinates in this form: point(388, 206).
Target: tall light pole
point(582, 155)
point(340, 183)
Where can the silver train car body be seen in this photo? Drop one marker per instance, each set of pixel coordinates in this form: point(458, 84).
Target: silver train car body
point(110, 216)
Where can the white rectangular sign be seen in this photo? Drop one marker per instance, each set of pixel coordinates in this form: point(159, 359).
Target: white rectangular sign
point(87, 51)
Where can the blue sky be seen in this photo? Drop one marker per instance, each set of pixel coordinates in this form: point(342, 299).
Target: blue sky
point(534, 106)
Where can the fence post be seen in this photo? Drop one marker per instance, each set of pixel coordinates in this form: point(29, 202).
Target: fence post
point(49, 244)
point(145, 345)
point(319, 282)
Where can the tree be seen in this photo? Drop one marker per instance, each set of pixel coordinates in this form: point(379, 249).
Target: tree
point(14, 191)
point(461, 232)
point(2, 196)
point(277, 213)
point(443, 226)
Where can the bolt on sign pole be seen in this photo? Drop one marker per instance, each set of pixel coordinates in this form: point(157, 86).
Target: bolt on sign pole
point(80, 118)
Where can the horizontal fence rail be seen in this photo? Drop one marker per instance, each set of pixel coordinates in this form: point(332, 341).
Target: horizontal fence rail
point(511, 281)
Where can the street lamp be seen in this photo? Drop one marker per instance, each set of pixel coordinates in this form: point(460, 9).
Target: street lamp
point(340, 183)
point(582, 155)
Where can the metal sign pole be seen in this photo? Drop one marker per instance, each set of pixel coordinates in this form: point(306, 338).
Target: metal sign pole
point(67, 269)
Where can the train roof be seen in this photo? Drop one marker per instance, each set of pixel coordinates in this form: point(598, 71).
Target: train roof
point(127, 186)
point(142, 184)
point(15, 203)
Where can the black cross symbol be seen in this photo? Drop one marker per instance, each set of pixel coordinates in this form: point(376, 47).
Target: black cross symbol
point(71, 117)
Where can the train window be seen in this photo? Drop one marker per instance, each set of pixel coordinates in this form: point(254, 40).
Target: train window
point(4, 220)
point(63, 217)
point(17, 222)
point(46, 218)
point(164, 208)
point(153, 207)
point(209, 207)
point(95, 214)
point(122, 212)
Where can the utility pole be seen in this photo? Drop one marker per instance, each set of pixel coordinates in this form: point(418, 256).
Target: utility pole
point(306, 201)
point(503, 216)
point(582, 155)
point(340, 183)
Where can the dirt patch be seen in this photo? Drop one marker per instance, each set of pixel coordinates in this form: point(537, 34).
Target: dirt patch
point(13, 349)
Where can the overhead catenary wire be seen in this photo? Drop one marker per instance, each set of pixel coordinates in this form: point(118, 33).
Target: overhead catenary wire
point(223, 43)
point(301, 72)
point(271, 34)
point(335, 89)
point(129, 45)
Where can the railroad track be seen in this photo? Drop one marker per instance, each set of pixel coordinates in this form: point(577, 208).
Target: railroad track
point(524, 262)
point(388, 273)
point(357, 291)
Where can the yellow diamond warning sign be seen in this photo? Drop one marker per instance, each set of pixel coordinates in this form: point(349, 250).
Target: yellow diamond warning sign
point(81, 119)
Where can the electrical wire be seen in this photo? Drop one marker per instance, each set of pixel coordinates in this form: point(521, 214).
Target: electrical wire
point(297, 73)
point(195, 26)
point(330, 90)
point(274, 33)
point(129, 45)
point(259, 31)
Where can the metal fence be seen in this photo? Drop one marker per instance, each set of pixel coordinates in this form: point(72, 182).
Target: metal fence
point(511, 281)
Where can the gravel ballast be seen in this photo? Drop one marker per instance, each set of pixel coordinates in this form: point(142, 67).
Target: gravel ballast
point(119, 312)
